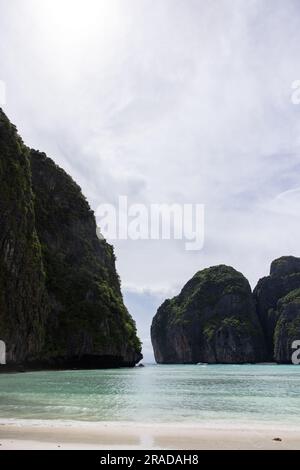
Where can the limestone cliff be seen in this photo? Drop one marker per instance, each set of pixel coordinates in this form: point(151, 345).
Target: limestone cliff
point(212, 320)
point(283, 279)
point(287, 329)
point(60, 297)
point(23, 302)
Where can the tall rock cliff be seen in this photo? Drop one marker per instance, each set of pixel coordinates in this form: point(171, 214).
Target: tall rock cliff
point(212, 320)
point(287, 329)
point(87, 318)
point(60, 298)
point(283, 279)
point(23, 300)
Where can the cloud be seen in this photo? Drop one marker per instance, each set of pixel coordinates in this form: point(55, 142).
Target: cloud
point(287, 203)
point(172, 101)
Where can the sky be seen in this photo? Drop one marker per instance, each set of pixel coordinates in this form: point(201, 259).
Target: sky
point(166, 101)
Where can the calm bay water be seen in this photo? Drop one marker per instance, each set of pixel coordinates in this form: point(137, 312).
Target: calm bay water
point(157, 393)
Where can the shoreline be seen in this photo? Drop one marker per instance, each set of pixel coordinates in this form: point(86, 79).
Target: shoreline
point(48, 434)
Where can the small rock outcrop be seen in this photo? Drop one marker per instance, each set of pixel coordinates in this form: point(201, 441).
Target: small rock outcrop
point(60, 298)
point(212, 320)
point(283, 279)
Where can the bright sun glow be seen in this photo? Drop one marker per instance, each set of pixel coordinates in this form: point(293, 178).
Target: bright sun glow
point(74, 21)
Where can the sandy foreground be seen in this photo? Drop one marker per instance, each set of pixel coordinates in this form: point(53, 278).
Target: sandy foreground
point(29, 434)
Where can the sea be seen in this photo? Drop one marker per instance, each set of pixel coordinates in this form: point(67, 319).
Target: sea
point(157, 394)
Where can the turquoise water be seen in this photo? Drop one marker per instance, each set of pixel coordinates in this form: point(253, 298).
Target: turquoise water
point(157, 393)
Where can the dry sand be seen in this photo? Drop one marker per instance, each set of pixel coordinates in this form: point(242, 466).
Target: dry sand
point(29, 434)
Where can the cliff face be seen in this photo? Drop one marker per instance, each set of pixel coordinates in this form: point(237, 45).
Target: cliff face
point(216, 319)
point(284, 278)
point(288, 326)
point(23, 303)
point(61, 303)
point(87, 319)
point(212, 320)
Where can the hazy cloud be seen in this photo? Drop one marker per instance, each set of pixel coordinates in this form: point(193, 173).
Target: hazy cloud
point(170, 101)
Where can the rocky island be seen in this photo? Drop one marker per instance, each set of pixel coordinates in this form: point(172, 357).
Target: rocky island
point(212, 320)
point(60, 298)
point(278, 307)
point(217, 319)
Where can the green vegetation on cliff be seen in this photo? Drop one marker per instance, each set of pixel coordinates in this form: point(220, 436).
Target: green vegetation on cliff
point(68, 307)
point(23, 300)
point(213, 319)
point(275, 296)
point(288, 326)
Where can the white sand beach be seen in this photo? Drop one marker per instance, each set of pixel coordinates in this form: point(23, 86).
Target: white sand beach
point(29, 434)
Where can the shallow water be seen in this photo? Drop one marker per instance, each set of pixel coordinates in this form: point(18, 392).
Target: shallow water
point(157, 393)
